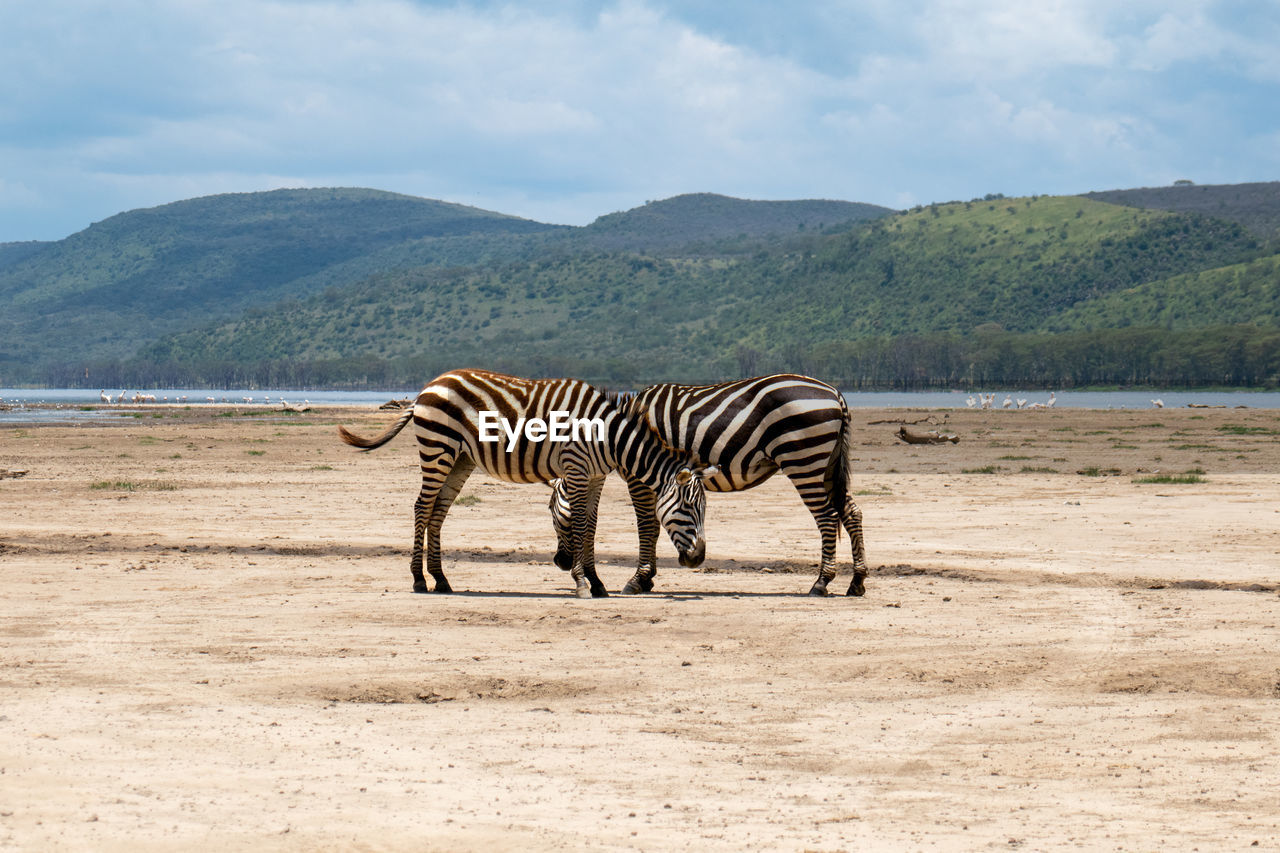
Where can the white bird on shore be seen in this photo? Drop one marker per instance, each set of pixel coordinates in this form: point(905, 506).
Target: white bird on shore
point(970, 401)
point(1008, 402)
point(1159, 404)
point(103, 396)
point(1052, 399)
point(1022, 401)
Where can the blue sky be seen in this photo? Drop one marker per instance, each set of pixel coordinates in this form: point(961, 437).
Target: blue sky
point(565, 111)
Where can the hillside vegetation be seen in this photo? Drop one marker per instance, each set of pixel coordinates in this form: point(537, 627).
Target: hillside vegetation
point(1049, 291)
point(133, 278)
point(1255, 206)
point(940, 295)
point(139, 275)
point(1246, 293)
point(687, 220)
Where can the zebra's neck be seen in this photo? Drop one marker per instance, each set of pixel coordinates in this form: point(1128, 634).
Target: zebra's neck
point(639, 454)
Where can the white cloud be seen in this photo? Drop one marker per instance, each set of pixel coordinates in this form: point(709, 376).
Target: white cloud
point(571, 113)
point(980, 39)
point(1194, 35)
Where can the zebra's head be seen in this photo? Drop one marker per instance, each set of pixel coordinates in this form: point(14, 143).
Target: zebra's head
point(681, 505)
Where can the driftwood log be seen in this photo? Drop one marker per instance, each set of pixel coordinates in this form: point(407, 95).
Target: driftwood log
point(395, 404)
point(14, 474)
point(927, 419)
point(931, 437)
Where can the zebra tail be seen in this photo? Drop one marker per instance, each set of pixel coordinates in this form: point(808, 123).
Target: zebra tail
point(371, 443)
point(836, 478)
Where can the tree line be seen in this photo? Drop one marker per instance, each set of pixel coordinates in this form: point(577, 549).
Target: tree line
point(1243, 356)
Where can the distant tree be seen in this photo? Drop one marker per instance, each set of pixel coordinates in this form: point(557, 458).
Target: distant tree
point(748, 361)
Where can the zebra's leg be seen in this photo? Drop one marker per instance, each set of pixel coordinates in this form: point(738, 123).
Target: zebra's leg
point(421, 514)
point(853, 524)
point(445, 497)
point(583, 493)
point(828, 525)
point(815, 497)
point(562, 523)
point(644, 501)
point(434, 473)
point(589, 540)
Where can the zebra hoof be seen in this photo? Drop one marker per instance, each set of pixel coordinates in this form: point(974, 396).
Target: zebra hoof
point(583, 592)
point(563, 559)
point(637, 585)
point(600, 593)
point(856, 587)
point(818, 589)
point(442, 586)
point(420, 586)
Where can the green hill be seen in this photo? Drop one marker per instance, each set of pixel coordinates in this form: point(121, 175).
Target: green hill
point(933, 277)
point(12, 253)
point(1255, 206)
point(350, 287)
point(133, 278)
point(139, 275)
point(1247, 293)
point(1016, 263)
point(703, 217)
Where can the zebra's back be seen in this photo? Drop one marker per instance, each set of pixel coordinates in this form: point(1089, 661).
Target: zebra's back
point(447, 415)
point(751, 427)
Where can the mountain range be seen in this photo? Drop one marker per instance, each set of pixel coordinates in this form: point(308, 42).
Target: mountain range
point(357, 286)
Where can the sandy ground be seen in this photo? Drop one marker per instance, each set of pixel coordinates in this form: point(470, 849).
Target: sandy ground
point(208, 641)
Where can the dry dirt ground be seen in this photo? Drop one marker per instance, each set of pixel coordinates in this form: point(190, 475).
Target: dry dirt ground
point(208, 641)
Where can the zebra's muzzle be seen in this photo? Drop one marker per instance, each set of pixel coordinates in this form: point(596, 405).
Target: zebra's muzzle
point(694, 556)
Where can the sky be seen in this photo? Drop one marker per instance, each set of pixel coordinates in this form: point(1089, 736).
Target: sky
point(566, 110)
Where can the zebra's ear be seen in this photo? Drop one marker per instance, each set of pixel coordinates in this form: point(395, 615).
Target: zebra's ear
point(684, 477)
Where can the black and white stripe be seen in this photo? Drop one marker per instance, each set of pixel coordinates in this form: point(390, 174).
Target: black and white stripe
point(446, 417)
point(750, 429)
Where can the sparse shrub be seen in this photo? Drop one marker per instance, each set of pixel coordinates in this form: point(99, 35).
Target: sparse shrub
point(1174, 479)
point(132, 486)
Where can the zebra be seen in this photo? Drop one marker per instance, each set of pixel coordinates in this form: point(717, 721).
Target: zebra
point(750, 429)
point(449, 416)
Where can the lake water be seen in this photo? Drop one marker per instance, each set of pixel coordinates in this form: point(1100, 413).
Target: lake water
point(53, 405)
point(26, 405)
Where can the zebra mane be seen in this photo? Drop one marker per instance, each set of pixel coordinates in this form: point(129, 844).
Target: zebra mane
point(622, 399)
point(628, 402)
point(637, 412)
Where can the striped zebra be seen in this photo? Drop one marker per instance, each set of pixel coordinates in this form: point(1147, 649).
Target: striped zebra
point(450, 417)
point(750, 429)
